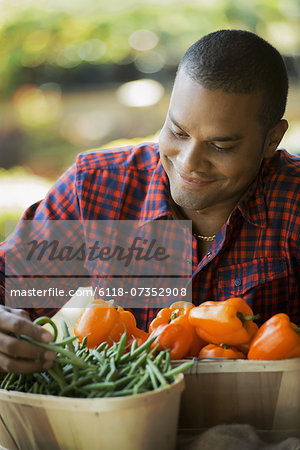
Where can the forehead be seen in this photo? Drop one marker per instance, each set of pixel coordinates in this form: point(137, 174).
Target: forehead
point(193, 104)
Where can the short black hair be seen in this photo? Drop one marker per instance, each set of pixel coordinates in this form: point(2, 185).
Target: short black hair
point(240, 62)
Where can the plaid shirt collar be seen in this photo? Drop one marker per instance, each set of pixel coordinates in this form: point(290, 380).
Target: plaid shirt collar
point(253, 205)
point(156, 204)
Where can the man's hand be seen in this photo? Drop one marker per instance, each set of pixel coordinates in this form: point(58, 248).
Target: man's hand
point(19, 356)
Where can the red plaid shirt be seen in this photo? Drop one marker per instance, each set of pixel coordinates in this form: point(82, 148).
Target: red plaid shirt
point(255, 255)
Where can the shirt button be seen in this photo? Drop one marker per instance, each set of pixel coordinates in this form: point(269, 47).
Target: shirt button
point(208, 254)
point(189, 262)
point(237, 282)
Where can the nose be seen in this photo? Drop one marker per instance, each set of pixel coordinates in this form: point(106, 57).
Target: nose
point(192, 158)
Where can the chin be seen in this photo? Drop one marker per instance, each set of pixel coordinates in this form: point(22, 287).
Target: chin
point(185, 201)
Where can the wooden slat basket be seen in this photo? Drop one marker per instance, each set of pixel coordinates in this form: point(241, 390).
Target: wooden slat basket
point(45, 422)
point(265, 394)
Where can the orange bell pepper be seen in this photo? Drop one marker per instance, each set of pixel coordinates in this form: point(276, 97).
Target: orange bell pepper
point(96, 322)
point(220, 351)
point(126, 321)
point(252, 329)
point(223, 322)
point(197, 344)
point(172, 330)
point(101, 322)
point(182, 304)
point(277, 338)
point(140, 336)
point(162, 318)
point(166, 315)
point(174, 337)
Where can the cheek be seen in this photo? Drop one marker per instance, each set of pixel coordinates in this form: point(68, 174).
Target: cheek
point(241, 171)
point(167, 145)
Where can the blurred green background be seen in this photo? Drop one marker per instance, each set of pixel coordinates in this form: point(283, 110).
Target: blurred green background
point(78, 75)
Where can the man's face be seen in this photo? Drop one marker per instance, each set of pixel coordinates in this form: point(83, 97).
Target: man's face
point(211, 145)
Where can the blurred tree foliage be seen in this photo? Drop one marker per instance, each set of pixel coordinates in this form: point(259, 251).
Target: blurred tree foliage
point(63, 60)
point(43, 40)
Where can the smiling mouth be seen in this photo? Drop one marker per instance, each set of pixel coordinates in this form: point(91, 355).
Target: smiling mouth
point(193, 181)
point(189, 181)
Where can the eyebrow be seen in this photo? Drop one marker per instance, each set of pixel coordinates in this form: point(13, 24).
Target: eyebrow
point(235, 137)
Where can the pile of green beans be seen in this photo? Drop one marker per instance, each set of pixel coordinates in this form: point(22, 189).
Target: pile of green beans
point(107, 371)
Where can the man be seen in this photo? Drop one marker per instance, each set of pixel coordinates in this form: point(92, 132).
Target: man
point(216, 164)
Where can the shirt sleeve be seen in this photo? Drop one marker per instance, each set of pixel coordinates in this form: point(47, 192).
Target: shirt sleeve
point(60, 203)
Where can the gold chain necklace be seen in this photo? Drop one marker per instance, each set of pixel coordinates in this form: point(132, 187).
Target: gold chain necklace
point(177, 214)
point(204, 238)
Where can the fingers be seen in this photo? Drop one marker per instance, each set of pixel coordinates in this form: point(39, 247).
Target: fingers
point(19, 356)
point(18, 323)
point(22, 313)
point(11, 365)
point(21, 349)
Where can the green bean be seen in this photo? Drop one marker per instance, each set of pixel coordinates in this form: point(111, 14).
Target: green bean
point(4, 381)
point(84, 342)
point(155, 370)
point(125, 358)
point(154, 350)
point(179, 369)
point(121, 346)
point(145, 346)
point(100, 359)
point(67, 341)
point(67, 368)
point(81, 353)
point(123, 369)
point(113, 373)
point(140, 383)
point(158, 360)
point(134, 346)
point(60, 381)
point(38, 377)
point(101, 347)
point(65, 329)
point(45, 377)
point(132, 382)
point(41, 387)
point(42, 320)
point(20, 379)
point(111, 350)
point(11, 377)
point(94, 394)
point(75, 363)
point(153, 379)
point(139, 362)
point(122, 393)
point(76, 384)
point(56, 348)
point(125, 381)
point(106, 371)
point(109, 385)
point(167, 362)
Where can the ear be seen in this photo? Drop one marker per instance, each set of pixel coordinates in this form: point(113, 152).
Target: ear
point(274, 137)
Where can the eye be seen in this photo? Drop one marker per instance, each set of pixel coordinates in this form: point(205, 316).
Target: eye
point(221, 149)
point(178, 134)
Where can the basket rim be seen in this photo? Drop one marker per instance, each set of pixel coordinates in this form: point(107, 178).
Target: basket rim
point(92, 404)
point(220, 365)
